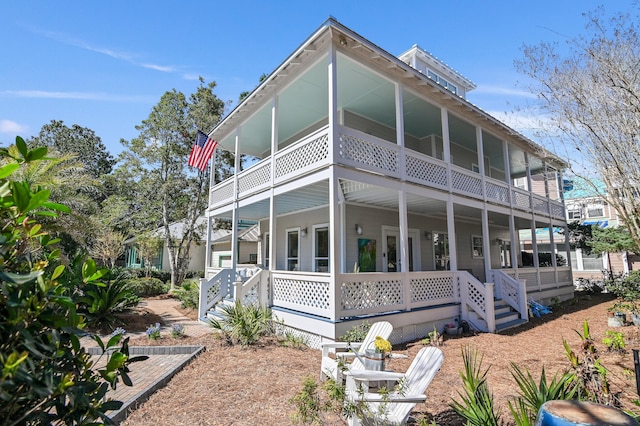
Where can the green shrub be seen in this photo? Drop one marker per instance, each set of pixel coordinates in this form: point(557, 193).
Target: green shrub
point(145, 287)
point(477, 405)
point(357, 333)
point(243, 325)
point(533, 394)
point(101, 301)
point(614, 341)
point(189, 294)
point(46, 376)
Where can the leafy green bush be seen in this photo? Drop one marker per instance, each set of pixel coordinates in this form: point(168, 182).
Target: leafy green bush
point(145, 287)
point(614, 341)
point(46, 376)
point(101, 301)
point(189, 294)
point(357, 333)
point(243, 325)
point(477, 405)
point(533, 394)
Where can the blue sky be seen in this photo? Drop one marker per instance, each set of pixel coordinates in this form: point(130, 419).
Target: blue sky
point(104, 65)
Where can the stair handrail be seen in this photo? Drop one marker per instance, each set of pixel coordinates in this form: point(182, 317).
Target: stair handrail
point(477, 297)
point(213, 290)
point(252, 282)
point(513, 292)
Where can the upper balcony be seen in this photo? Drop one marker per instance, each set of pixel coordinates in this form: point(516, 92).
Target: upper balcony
point(373, 154)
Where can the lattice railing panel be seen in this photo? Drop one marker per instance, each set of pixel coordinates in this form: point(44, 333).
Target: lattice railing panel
point(426, 289)
point(252, 295)
point(368, 153)
point(540, 205)
point(557, 210)
point(521, 200)
point(222, 191)
point(305, 155)
point(477, 297)
point(426, 172)
point(359, 295)
point(465, 183)
point(301, 292)
point(256, 176)
point(213, 291)
point(497, 193)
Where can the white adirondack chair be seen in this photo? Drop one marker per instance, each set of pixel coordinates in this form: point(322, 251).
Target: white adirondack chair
point(330, 367)
point(395, 407)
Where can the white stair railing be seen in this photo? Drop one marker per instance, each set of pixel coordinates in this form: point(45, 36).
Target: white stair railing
point(251, 291)
point(513, 292)
point(213, 290)
point(476, 297)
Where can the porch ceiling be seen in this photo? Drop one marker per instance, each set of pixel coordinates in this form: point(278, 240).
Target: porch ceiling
point(363, 193)
point(307, 197)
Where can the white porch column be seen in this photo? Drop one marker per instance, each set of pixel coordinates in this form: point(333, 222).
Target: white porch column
point(235, 219)
point(512, 238)
point(207, 252)
point(272, 199)
point(404, 231)
point(486, 246)
point(446, 144)
point(451, 230)
point(332, 101)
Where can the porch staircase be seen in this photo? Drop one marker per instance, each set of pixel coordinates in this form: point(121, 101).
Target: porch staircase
point(506, 316)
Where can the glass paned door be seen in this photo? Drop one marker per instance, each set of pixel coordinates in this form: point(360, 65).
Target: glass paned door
point(441, 251)
point(292, 249)
point(321, 249)
point(392, 261)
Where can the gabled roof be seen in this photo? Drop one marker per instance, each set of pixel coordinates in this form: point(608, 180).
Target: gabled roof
point(331, 31)
point(251, 234)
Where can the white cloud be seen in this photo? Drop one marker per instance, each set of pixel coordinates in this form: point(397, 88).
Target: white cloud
point(502, 91)
point(11, 127)
point(92, 96)
point(121, 55)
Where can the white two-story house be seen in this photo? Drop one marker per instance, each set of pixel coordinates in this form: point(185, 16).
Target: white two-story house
point(381, 192)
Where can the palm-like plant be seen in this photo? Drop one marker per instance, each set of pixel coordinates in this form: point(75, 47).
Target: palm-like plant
point(243, 324)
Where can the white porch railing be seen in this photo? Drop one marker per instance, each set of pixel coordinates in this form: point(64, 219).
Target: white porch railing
point(477, 297)
point(367, 152)
point(214, 290)
point(512, 291)
point(252, 289)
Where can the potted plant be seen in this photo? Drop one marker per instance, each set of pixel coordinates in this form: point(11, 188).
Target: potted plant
point(617, 314)
point(627, 289)
point(451, 328)
point(374, 357)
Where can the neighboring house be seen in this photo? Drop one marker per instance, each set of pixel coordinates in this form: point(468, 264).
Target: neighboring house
point(582, 206)
point(247, 245)
point(382, 192)
point(197, 251)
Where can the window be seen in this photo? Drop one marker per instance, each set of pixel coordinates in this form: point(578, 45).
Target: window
point(595, 209)
point(266, 250)
point(321, 248)
point(476, 248)
point(293, 237)
point(574, 213)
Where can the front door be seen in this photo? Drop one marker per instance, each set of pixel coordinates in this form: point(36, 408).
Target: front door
point(441, 251)
point(391, 259)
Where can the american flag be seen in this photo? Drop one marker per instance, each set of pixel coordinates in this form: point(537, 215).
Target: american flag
point(201, 151)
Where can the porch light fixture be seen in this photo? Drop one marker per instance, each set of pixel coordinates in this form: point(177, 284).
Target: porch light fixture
point(303, 232)
point(343, 41)
point(358, 229)
point(427, 235)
